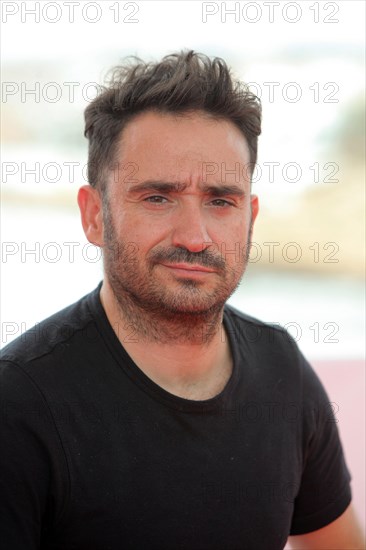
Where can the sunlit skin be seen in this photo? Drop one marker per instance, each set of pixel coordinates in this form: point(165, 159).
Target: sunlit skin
point(170, 203)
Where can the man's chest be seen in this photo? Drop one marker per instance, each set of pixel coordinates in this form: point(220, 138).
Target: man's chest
point(207, 481)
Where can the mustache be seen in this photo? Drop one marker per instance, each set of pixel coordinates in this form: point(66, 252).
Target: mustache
point(205, 258)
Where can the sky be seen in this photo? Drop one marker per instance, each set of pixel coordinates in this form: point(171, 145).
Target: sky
point(84, 29)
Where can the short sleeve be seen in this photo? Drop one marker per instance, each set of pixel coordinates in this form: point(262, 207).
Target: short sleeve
point(324, 492)
point(31, 464)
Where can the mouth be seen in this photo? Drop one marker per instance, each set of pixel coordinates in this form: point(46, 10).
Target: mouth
point(189, 269)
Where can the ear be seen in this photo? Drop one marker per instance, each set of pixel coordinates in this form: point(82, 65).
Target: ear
point(90, 204)
point(255, 206)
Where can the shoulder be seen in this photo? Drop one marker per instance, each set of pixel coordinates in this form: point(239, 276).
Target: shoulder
point(53, 332)
point(260, 336)
point(274, 352)
point(240, 316)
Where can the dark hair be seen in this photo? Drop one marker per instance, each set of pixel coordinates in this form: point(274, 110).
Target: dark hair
point(180, 83)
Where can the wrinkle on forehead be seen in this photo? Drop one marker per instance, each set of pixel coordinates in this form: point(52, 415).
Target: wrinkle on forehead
point(183, 149)
point(219, 189)
point(151, 124)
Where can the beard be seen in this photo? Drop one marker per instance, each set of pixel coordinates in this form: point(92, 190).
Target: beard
point(161, 309)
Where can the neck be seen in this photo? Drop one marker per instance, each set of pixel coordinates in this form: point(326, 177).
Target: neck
point(185, 354)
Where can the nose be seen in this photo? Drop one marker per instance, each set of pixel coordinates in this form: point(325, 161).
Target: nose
point(189, 229)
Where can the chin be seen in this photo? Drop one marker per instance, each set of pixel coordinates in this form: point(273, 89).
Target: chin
point(193, 308)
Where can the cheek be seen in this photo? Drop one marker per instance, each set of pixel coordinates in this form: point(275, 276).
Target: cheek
point(232, 242)
point(142, 234)
point(235, 231)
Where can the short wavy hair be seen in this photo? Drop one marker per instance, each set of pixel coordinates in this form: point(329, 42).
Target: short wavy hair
point(180, 83)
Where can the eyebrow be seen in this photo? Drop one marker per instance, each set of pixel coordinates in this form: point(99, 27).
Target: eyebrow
point(219, 190)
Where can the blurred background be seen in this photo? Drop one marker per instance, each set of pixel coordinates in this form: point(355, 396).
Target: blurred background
point(306, 62)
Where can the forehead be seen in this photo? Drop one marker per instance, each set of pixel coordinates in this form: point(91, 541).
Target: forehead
point(182, 146)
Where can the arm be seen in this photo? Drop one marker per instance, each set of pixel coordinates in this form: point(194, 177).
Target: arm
point(31, 465)
point(342, 534)
point(323, 518)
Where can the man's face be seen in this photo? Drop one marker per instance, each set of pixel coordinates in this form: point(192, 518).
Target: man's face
point(178, 216)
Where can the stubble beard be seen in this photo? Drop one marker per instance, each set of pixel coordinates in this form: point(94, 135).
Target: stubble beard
point(158, 313)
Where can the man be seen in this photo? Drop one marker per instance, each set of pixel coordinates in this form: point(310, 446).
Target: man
point(149, 414)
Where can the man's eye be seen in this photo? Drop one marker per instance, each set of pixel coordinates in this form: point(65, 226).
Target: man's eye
point(156, 199)
point(221, 202)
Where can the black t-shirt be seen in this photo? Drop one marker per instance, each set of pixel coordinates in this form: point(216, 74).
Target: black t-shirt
point(95, 455)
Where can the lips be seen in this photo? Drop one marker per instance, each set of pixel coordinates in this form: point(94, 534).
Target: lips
point(190, 267)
